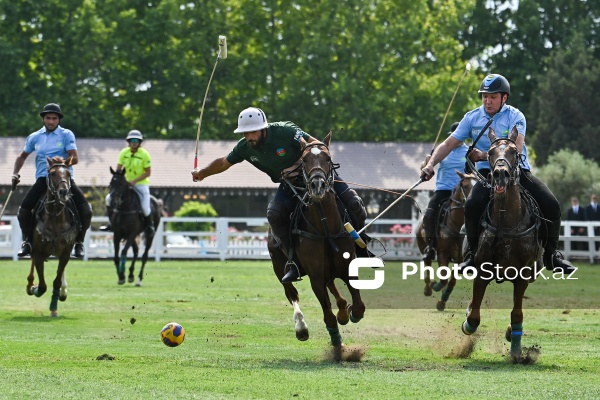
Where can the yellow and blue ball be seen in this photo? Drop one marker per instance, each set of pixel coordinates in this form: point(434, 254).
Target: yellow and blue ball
point(172, 334)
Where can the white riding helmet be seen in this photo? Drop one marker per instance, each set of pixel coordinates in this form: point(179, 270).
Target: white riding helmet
point(135, 134)
point(251, 119)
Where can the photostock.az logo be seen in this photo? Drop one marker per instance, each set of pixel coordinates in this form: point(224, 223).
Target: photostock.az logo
point(358, 263)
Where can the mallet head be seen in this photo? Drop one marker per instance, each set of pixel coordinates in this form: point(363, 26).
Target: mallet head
point(222, 47)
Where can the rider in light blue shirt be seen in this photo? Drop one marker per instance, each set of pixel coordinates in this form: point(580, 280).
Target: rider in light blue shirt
point(494, 91)
point(447, 179)
point(50, 141)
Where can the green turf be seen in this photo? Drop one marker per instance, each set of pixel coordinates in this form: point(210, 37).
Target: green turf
point(240, 340)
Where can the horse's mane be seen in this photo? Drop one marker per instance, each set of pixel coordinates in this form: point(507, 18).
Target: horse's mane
point(56, 160)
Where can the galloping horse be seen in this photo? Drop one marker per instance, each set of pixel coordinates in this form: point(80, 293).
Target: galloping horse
point(449, 240)
point(509, 244)
point(127, 223)
point(323, 246)
point(55, 232)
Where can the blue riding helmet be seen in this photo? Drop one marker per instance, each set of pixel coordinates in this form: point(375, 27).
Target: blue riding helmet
point(494, 83)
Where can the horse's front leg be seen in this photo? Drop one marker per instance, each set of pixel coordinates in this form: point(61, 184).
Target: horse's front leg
point(30, 278)
point(443, 260)
point(343, 315)
point(514, 332)
point(117, 260)
point(135, 248)
point(320, 289)
point(123, 261)
point(441, 304)
point(41, 287)
point(57, 285)
point(470, 324)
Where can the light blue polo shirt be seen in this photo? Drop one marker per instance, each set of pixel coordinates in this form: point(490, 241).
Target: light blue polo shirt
point(447, 178)
point(474, 121)
point(49, 144)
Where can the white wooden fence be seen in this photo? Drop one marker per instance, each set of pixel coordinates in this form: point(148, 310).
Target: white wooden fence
point(246, 238)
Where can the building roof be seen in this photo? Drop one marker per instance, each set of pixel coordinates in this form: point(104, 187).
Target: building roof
point(391, 166)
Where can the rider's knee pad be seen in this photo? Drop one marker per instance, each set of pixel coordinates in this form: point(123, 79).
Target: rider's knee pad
point(278, 218)
point(355, 205)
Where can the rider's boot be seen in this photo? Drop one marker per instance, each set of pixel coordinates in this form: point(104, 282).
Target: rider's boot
point(85, 216)
point(429, 227)
point(553, 259)
point(108, 226)
point(25, 218)
point(292, 266)
point(472, 236)
point(149, 225)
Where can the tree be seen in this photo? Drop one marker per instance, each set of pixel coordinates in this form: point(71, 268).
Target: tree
point(568, 174)
point(516, 39)
point(565, 106)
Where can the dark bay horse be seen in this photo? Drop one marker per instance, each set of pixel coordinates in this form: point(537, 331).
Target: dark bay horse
point(509, 246)
point(449, 240)
point(55, 232)
point(127, 223)
point(323, 246)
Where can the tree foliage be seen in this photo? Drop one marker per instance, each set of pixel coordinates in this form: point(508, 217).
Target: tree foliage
point(374, 69)
point(193, 209)
point(568, 173)
point(565, 109)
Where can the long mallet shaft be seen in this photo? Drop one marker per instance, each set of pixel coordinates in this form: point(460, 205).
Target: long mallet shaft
point(222, 55)
point(391, 205)
point(467, 69)
point(356, 235)
point(5, 204)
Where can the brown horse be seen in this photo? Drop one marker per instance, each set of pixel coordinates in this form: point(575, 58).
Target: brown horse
point(449, 240)
point(509, 247)
point(127, 224)
point(55, 232)
point(323, 246)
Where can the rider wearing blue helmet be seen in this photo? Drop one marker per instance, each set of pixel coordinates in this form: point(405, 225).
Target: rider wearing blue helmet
point(494, 91)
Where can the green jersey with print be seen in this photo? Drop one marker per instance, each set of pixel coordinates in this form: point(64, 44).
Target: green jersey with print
point(135, 164)
point(281, 149)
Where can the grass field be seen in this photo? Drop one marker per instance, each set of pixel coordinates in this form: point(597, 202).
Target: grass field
point(240, 341)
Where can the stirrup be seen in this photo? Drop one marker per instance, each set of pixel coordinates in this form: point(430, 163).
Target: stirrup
point(25, 249)
point(468, 261)
point(293, 274)
point(429, 255)
point(559, 264)
point(78, 250)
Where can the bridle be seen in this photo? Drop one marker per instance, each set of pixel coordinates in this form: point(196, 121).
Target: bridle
point(458, 204)
point(502, 161)
point(318, 173)
point(60, 192)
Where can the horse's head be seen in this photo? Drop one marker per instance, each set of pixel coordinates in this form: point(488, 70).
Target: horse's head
point(59, 179)
point(503, 157)
point(118, 186)
point(317, 169)
point(463, 188)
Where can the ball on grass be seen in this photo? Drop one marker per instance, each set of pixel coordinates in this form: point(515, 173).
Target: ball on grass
point(172, 334)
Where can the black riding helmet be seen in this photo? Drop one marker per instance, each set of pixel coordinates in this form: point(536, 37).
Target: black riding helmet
point(495, 83)
point(51, 108)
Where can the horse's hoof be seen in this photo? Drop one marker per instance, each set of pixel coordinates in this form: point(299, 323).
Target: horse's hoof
point(54, 314)
point(427, 291)
point(138, 284)
point(130, 279)
point(121, 281)
point(29, 290)
point(441, 305)
point(302, 335)
point(508, 333)
point(467, 329)
point(62, 298)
